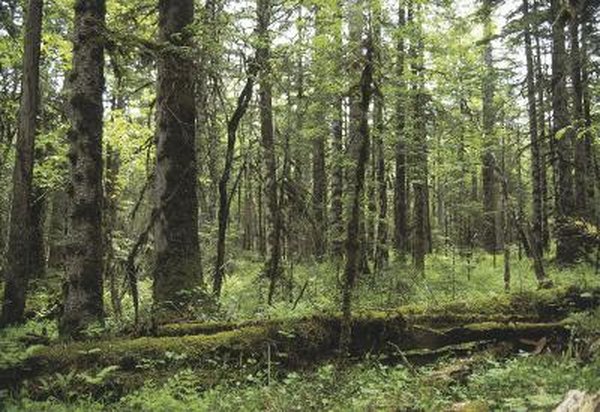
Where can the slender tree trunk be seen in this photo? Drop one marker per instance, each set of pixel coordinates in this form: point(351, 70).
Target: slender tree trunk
point(542, 142)
point(272, 267)
point(224, 197)
point(401, 235)
point(490, 202)
point(567, 249)
point(592, 178)
point(380, 169)
point(177, 268)
point(580, 156)
point(422, 228)
point(320, 108)
point(207, 95)
point(337, 183)
point(359, 150)
point(83, 303)
point(21, 243)
point(537, 161)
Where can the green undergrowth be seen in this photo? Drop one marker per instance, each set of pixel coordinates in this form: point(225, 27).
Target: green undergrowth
point(524, 383)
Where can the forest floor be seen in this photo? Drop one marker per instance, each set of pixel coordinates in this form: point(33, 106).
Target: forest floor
point(500, 374)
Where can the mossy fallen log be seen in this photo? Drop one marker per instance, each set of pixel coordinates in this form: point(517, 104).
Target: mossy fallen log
point(531, 306)
point(298, 342)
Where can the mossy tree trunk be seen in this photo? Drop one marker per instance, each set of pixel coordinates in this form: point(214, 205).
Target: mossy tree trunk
point(83, 304)
point(177, 269)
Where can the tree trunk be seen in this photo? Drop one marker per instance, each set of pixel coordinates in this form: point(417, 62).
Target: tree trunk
point(592, 178)
point(537, 161)
point(320, 108)
point(490, 202)
point(83, 303)
point(21, 243)
point(581, 207)
point(421, 238)
point(177, 268)
point(381, 246)
point(401, 235)
point(224, 197)
point(359, 151)
point(542, 143)
point(272, 267)
point(567, 249)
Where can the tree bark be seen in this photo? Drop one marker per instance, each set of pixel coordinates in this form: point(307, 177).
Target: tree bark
point(272, 266)
point(401, 235)
point(567, 249)
point(580, 156)
point(177, 268)
point(489, 188)
point(537, 161)
point(83, 303)
point(422, 228)
point(542, 139)
point(21, 263)
point(359, 150)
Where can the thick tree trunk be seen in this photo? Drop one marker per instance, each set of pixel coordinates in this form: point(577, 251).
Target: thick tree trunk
point(21, 243)
point(83, 303)
point(177, 268)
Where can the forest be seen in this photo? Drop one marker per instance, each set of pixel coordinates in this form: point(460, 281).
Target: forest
point(359, 205)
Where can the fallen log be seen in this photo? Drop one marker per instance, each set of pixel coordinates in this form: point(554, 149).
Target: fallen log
point(532, 306)
point(295, 343)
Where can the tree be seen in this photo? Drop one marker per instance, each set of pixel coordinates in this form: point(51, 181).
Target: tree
point(83, 303)
point(360, 99)
point(537, 160)
point(401, 238)
point(23, 226)
point(380, 169)
point(177, 268)
point(263, 56)
point(567, 249)
point(224, 197)
point(422, 229)
point(488, 161)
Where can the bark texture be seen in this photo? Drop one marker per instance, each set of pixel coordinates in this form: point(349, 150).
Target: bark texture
point(83, 304)
point(177, 268)
point(22, 245)
point(567, 248)
point(272, 267)
point(401, 238)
